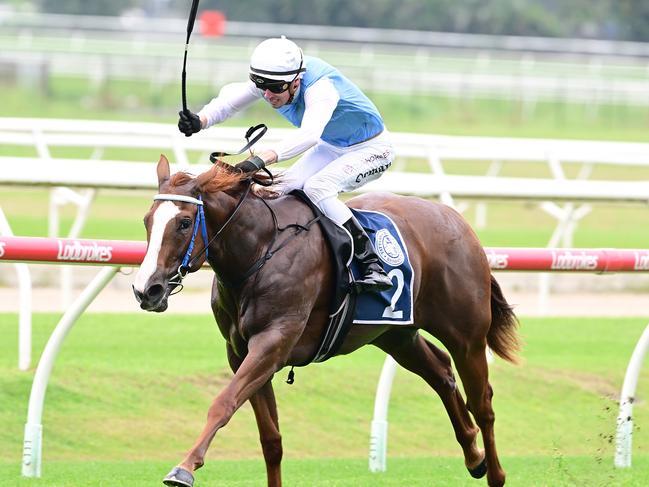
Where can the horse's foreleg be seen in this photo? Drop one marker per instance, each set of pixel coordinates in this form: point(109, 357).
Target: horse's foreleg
point(266, 354)
point(416, 354)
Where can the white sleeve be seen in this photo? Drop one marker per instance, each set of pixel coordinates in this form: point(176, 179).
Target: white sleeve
point(320, 101)
point(232, 98)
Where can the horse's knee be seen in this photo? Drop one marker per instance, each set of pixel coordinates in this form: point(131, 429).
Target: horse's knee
point(449, 381)
point(273, 450)
point(220, 412)
point(444, 366)
point(444, 379)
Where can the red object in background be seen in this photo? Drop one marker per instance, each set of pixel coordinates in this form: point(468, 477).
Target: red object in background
point(212, 23)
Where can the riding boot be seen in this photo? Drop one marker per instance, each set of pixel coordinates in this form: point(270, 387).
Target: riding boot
point(374, 277)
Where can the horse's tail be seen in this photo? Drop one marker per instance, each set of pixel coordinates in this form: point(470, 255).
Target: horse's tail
point(502, 337)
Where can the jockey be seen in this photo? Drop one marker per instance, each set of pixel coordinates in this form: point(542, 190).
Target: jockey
point(340, 133)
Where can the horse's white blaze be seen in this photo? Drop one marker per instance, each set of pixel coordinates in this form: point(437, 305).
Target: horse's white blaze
point(163, 215)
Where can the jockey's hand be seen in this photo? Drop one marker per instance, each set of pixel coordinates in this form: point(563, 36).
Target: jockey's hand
point(188, 123)
point(252, 164)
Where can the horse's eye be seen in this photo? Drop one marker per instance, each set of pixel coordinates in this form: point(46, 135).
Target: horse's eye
point(185, 223)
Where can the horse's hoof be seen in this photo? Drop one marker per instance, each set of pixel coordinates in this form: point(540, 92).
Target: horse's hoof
point(479, 471)
point(179, 477)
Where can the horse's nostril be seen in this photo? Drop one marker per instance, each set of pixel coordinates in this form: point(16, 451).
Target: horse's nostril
point(155, 292)
point(138, 295)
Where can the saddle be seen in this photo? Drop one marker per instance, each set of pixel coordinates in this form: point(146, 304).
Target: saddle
point(343, 304)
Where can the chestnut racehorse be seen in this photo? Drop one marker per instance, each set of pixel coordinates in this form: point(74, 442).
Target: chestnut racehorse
point(274, 315)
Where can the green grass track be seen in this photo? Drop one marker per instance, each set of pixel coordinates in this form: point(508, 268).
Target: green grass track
point(129, 394)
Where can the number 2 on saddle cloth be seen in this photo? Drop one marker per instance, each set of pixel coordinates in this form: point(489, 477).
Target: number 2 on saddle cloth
point(393, 306)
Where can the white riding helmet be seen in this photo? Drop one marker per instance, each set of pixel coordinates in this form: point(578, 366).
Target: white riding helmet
point(276, 59)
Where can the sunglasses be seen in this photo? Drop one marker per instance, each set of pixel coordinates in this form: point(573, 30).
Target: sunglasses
point(272, 85)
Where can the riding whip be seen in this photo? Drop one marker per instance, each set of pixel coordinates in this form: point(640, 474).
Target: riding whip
point(190, 28)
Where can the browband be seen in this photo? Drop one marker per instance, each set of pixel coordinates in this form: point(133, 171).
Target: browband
point(178, 197)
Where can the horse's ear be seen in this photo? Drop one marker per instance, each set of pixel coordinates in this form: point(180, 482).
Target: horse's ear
point(163, 170)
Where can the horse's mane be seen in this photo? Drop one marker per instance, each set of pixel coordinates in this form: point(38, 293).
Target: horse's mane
point(223, 177)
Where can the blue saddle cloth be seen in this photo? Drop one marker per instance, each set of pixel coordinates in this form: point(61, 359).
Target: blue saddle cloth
point(393, 306)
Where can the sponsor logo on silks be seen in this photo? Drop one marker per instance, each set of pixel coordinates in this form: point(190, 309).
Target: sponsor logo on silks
point(498, 261)
point(388, 248)
point(87, 252)
point(376, 170)
point(568, 261)
point(641, 261)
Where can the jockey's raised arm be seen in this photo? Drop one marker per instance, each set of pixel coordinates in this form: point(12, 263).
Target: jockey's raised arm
point(339, 134)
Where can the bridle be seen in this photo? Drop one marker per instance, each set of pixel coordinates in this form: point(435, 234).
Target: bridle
point(183, 269)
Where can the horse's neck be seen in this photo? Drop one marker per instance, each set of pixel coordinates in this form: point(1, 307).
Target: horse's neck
point(245, 237)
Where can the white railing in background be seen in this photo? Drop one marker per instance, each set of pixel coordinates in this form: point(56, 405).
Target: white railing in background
point(44, 135)
point(25, 304)
point(530, 69)
point(89, 175)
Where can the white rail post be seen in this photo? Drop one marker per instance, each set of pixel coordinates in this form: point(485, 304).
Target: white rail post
point(82, 200)
point(481, 206)
point(32, 444)
point(25, 303)
point(437, 168)
point(61, 196)
point(624, 429)
point(379, 432)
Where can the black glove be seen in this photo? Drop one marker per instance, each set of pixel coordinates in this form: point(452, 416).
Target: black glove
point(188, 123)
point(252, 164)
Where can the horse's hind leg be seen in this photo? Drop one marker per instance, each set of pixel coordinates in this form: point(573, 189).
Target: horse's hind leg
point(265, 409)
point(414, 353)
point(263, 403)
point(472, 366)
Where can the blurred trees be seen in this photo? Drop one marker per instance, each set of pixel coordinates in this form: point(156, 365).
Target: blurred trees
point(607, 19)
point(635, 14)
point(97, 7)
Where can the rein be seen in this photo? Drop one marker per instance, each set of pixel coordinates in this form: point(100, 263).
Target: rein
point(177, 279)
point(215, 156)
point(257, 265)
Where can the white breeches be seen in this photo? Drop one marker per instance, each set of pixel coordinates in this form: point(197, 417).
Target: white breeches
point(324, 171)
